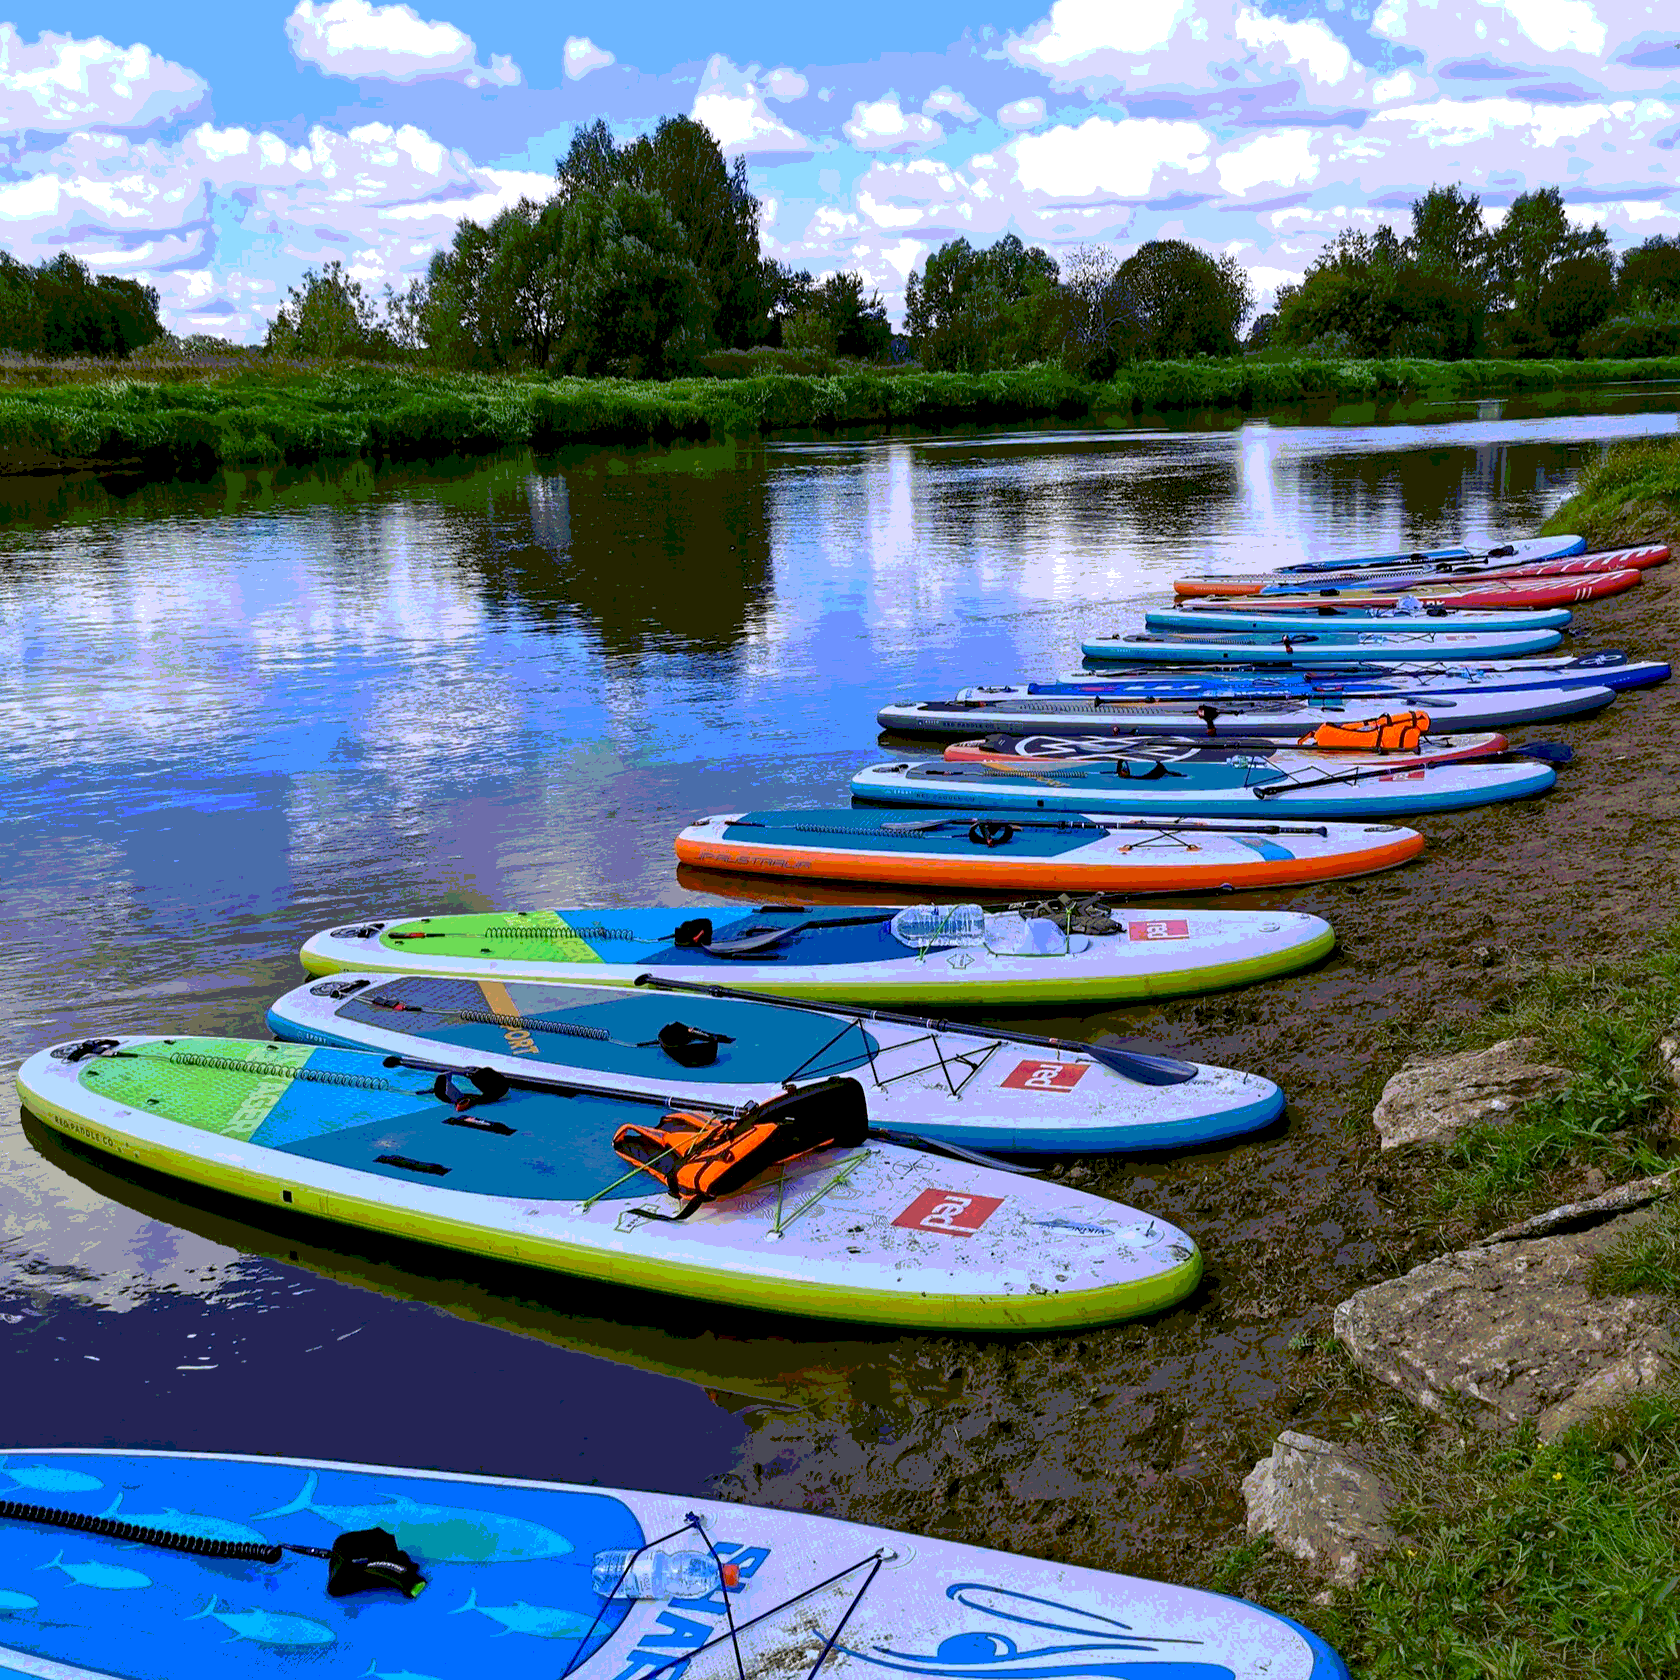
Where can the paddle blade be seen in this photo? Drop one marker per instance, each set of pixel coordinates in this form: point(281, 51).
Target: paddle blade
point(1548, 752)
point(1141, 1067)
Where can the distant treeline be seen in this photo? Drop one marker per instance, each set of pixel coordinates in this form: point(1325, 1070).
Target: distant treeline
point(1453, 288)
point(58, 308)
point(646, 263)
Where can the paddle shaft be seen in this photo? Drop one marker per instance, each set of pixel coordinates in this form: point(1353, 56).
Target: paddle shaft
point(893, 1018)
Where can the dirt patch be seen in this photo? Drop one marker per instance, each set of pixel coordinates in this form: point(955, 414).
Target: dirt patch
point(1125, 1448)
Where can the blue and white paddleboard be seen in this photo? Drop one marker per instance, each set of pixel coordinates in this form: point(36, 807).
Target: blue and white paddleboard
point(1224, 787)
point(511, 1589)
point(1603, 668)
point(1002, 1091)
point(1335, 620)
point(1344, 646)
point(1520, 553)
point(1282, 717)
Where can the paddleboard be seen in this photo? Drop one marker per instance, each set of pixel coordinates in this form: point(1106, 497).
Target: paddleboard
point(833, 953)
point(1327, 616)
point(1018, 1093)
point(1335, 647)
point(1603, 668)
point(1460, 595)
point(1285, 717)
point(842, 1233)
point(1004, 851)
point(1605, 560)
point(1220, 785)
point(510, 1593)
point(1066, 749)
point(1515, 553)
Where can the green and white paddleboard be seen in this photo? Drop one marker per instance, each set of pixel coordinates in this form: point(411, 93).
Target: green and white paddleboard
point(876, 1233)
point(517, 1582)
point(844, 954)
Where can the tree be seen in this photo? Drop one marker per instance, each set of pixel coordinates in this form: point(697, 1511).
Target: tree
point(857, 324)
point(1102, 325)
point(1187, 302)
point(972, 310)
point(1578, 297)
point(60, 308)
point(681, 164)
point(1529, 244)
point(328, 314)
point(1650, 271)
point(1449, 233)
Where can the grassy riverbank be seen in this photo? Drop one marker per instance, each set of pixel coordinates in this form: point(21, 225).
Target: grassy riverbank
point(1632, 495)
point(1518, 1558)
point(244, 411)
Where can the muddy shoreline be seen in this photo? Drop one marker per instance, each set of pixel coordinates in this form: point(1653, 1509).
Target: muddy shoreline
point(1125, 1448)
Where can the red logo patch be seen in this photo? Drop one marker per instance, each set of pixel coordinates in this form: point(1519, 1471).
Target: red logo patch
point(1158, 930)
point(1045, 1076)
point(948, 1212)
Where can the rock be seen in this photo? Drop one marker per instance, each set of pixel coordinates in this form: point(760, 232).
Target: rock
point(1579, 1216)
point(1319, 1505)
point(1512, 1328)
point(1668, 1054)
point(1432, 1099)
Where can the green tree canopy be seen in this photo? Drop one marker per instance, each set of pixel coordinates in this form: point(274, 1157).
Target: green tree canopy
point(60, 308)
point(327, 314)
point(1187, 302)
point(975, 309)
point(682, 165)
point(1651, 271)
point(1534, 237)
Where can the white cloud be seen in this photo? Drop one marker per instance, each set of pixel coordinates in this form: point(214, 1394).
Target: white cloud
point(1558, 25)
point(1462, 122)
point(1100, 158)
point(1307, 42)
point(947, 102)
point(1077, 32)
point(731, 104)
point(882, 125)
point(785, 84)
point(365, 42)
point(581, 55)
point(1401, 85)
point(1285, 159)
point(1021, 113)
point(61, 84)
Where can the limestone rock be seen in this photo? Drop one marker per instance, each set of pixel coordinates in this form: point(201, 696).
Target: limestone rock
point(1511, 1327)
point(1319, 1505)
point(1432, 1099)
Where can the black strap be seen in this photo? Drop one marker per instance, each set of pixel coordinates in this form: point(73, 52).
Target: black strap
point(690, 1047)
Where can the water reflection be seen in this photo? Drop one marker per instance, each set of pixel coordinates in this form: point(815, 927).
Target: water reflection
point(232, 714)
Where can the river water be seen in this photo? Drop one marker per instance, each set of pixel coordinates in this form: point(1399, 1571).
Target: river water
point(232, 714)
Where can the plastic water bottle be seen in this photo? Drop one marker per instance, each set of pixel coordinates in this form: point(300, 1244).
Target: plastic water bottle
point(660, 1574)
point(940, 924)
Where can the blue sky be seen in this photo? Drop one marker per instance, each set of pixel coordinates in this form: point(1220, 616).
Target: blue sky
point(216, 151)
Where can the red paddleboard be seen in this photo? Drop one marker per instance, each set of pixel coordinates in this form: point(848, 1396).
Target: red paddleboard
point(1483, 592)
point(1088, 749)
point(1252, 583)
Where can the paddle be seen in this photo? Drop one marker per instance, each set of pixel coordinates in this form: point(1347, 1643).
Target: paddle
point(1140, 1066)
point(1064, 825)
point(1548, 752)
point(558, 1087)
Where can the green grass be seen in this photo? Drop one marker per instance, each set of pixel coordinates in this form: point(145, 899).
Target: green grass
point(1516, 1561)
point(245, 410)
point(1630, 495)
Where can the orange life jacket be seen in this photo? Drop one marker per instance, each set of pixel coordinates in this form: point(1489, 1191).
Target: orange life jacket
point(1392, 732)
point(700, 1157)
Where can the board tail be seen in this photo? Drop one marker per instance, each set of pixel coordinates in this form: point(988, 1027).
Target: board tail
point(305, 1501)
